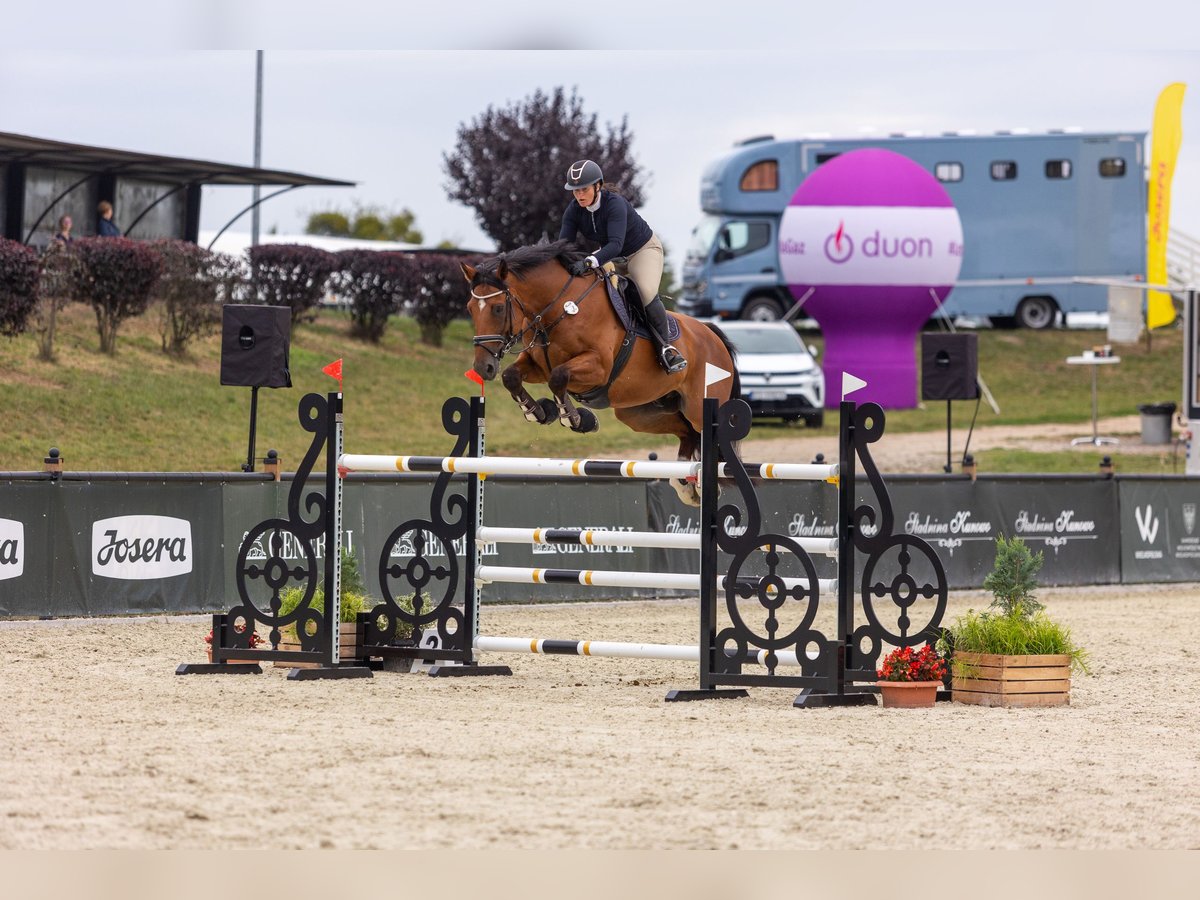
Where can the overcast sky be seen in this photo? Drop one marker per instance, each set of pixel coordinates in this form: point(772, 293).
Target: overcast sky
point(384, 118)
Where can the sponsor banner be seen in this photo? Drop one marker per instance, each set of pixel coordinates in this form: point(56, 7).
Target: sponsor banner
point(616, 506)
point(12, 549)
point(141, 548)
point(25, 560)
point(1074, 523)
point(1160, 531)
point(135, 547)
point(870, 245)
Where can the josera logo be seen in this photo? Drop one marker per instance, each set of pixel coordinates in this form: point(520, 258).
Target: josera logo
point(12, 548)
point(138, 548)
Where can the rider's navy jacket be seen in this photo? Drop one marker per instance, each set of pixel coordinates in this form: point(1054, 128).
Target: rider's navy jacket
point(616, 226)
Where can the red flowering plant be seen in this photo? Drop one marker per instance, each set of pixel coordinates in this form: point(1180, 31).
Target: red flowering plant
point(907, 664)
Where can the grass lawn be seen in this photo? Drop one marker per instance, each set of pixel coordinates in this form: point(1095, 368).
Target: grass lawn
point(141, 410)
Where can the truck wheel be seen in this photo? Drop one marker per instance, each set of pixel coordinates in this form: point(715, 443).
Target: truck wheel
point(1036, 313)
point(762, 309)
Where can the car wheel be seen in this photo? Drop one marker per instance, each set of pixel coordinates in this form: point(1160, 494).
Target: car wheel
point(814, 420)
point(1036, 313)
point(762, 309)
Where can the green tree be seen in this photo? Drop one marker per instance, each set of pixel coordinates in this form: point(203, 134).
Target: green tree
point(329, 224)
point(368, 223)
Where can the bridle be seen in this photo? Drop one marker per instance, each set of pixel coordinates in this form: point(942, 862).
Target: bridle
point(535, 327)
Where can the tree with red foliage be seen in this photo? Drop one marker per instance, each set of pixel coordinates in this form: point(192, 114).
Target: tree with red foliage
point(115, 276)
point(292, 275)
point(509, 165)
point(18, 286)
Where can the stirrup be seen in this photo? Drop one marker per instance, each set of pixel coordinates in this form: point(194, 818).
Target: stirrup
point(672, 360)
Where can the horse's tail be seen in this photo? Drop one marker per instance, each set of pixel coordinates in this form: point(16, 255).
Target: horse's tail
point(736, 390)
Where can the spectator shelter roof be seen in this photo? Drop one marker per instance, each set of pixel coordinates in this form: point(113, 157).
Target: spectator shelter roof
point(20, 148)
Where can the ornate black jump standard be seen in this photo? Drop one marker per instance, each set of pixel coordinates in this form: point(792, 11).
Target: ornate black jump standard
point(264, 572)
point(756, 611)
point(439, 574)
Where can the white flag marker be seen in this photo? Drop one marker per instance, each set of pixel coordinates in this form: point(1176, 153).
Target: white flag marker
point(713, 374)
point(850, 384)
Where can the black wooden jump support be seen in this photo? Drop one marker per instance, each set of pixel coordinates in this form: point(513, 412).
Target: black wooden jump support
point(262, 580)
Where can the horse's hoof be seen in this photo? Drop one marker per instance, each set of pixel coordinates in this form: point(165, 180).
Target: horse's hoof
point(549, 411)
point(688, 495)
point(587, 422)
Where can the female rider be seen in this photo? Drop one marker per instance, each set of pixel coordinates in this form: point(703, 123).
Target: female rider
point(610, 220)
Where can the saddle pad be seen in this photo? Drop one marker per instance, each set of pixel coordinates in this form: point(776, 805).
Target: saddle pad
point(620, 307)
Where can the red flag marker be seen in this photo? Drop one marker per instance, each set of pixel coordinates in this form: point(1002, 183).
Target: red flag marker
point(475, 377)
point(334, 370)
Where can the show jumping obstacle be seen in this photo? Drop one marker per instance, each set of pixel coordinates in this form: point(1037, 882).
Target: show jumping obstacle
point(764, 620)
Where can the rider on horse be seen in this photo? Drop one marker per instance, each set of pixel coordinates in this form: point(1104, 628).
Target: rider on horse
point(610, 220)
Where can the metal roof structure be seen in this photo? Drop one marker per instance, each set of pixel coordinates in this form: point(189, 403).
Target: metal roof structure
point(20, 148)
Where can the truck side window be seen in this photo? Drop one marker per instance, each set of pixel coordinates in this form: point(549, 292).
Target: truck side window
point(1058, 168)
point(823, 158)
point(1113, 167)
point(762, 176)
point(948, 171)
point(739, 238)
point(1004, 170)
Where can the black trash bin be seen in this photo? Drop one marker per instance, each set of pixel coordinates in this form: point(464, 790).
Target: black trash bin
point(1156, 422)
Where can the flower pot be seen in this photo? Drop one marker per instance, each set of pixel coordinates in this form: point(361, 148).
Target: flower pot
point(908, 694)
point(990, 679)
point(347, 647)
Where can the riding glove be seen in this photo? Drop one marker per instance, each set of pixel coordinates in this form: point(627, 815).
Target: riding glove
point(581, 267)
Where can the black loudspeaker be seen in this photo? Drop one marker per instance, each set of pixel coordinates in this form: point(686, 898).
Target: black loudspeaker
point(949, 366)
point(254, 346)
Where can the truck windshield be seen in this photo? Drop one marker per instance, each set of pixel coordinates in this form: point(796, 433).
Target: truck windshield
point(703, 236)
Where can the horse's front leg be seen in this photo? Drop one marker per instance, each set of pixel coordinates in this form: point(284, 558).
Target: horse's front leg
point(514, 377)
point(583, 369)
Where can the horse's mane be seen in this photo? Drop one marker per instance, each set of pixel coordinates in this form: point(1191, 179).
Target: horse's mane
point(526, 259)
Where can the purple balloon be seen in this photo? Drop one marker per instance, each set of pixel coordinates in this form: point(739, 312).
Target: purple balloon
point(872, 244)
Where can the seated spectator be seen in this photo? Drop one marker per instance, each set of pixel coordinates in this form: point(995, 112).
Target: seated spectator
point(106, 227)
point(63, 235)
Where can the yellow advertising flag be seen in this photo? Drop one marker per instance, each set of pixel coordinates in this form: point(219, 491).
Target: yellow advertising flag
point(1166, 136)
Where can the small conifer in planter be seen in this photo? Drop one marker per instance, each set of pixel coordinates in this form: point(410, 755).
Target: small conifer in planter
point(1013, 653)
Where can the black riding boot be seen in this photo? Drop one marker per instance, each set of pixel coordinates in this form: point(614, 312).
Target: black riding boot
point(656, 314)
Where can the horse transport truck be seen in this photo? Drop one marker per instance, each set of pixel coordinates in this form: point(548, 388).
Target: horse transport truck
point(1039, 212)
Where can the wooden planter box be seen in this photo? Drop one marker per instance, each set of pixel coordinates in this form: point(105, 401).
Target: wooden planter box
point(347, 647)
point(1012, 681)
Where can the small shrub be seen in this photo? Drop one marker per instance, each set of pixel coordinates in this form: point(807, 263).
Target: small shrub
point(291, 275)
point(376, 283)
point(115, 276)
point(441, 295)
point(58, 274)
point(19, 276)
point(1014, 577)
point(194, 284)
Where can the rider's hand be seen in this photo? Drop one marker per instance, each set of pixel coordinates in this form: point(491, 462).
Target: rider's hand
point(582, 266)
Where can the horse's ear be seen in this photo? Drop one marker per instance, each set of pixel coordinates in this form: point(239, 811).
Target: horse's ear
point(468, 272)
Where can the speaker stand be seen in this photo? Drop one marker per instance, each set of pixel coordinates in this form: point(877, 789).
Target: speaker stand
point(248, 465)
point(949, 467)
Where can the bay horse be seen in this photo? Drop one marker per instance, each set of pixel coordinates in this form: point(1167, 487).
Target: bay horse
point(568, 337)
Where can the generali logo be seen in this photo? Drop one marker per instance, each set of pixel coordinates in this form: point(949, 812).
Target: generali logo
point(12, 547)
point(138, 548)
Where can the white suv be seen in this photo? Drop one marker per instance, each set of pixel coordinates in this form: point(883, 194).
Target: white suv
point(780, 377)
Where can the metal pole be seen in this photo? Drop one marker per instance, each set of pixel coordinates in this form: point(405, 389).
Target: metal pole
point(249, 464)
point(258, 81)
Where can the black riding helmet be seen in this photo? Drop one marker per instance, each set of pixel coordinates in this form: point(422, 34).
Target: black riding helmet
point(583, 174)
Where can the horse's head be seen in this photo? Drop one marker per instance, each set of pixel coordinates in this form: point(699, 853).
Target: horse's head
point(495, 316)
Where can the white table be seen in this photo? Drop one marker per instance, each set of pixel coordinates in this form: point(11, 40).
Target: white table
point(1095, 362)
